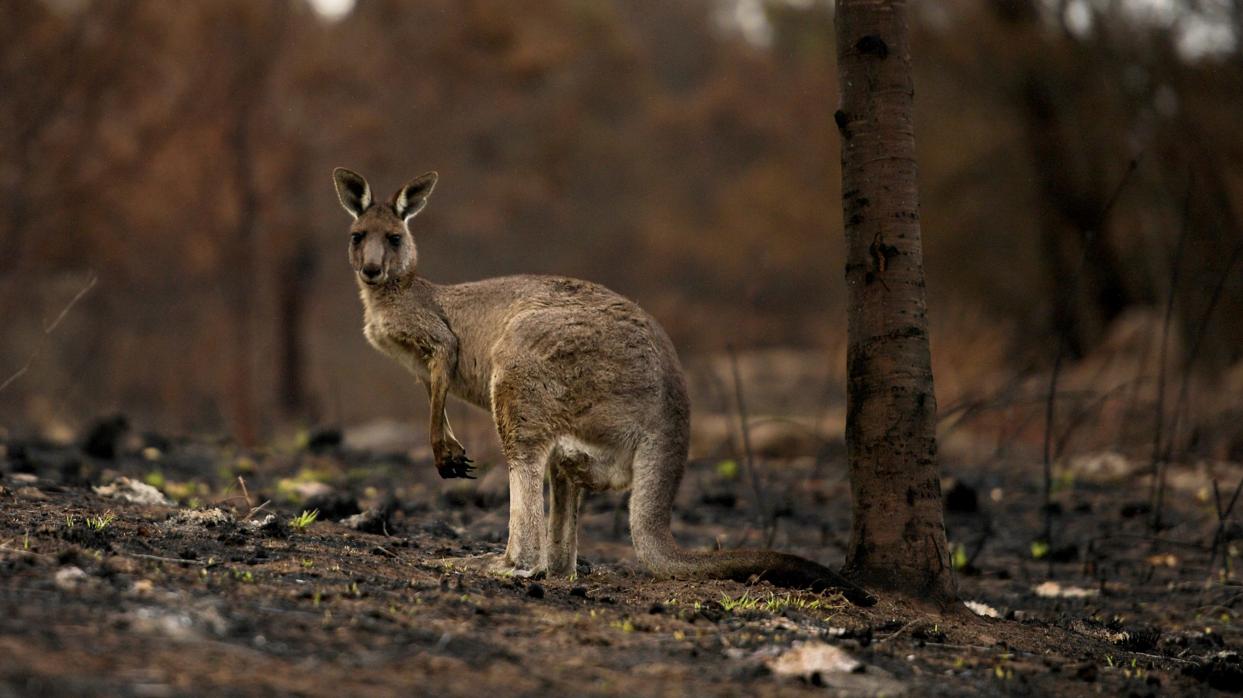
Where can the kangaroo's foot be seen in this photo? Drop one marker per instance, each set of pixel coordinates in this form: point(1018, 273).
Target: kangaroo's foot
point(509, 570)
point(494, 563)
point(525, 567)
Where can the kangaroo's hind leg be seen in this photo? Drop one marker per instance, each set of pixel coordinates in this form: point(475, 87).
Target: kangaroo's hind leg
point(564, 496)
point(523, 555)
point(527, 443)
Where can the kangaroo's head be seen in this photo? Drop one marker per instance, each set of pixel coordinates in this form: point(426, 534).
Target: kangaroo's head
point(381, 246)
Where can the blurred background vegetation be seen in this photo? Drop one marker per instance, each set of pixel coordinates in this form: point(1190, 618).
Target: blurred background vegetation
point(681, 152)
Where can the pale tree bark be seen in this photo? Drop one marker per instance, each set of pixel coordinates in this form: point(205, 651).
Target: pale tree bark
point(898, 534)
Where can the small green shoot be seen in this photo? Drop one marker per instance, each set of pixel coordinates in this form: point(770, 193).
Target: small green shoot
point(625, 625)
point(958, 555)
point(727, 469)
point(1040, 548)
point(26, 541)
point(99, 523)
point(1063, 481)
point(70, 520)
point(746, 602)
point(775, 603)
point(303, 520)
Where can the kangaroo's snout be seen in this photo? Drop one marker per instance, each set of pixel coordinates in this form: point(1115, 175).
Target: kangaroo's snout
point(371, 272)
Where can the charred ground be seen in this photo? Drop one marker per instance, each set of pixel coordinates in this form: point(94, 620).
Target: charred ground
point(212, 592)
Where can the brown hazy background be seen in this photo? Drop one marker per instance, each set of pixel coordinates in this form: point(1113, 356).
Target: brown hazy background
point(681, 152)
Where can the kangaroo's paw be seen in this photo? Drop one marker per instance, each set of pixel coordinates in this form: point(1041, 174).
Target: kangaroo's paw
point(456, 466)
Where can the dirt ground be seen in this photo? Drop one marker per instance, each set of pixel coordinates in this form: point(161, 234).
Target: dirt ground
point(218, 591)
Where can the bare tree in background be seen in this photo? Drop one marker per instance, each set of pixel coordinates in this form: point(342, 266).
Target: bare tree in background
point(898, 535)
point(257, 48)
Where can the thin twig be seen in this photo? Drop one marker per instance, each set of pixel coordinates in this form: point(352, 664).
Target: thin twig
point(1197, 343)
point(1088, 239)
point(47, 332)
point(897, 632)
point(1080, 415)
point(1000, 402)
point(1128, 413)
point(256, 510)
point(959, 648)
point(1157, 464)
point(160, 558)
point(761, 499)
point(1002, 397)
point(1223, 513)
point(1161, 658)
point(245, 494)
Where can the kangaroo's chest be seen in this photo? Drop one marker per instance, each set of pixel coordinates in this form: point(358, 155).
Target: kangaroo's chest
point(396, 340)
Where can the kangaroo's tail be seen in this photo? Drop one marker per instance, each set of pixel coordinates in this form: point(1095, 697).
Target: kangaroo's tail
point(651, 503)
point(781, 569)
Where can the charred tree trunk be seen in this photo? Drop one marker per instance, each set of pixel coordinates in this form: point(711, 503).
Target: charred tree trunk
point(898, 535)
point(1074, 177)
point(1072, 219)
point(257, 46)
point(241, 284)
point(294, 279)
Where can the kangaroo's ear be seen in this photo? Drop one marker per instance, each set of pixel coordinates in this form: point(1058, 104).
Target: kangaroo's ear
point(352, 190)
point(411, 199)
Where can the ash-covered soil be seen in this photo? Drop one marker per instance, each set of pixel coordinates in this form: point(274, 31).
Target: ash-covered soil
point(216, 590)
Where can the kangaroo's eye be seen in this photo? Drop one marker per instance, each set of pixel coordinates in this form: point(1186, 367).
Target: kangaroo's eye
point(394, 240)
point(356, 238)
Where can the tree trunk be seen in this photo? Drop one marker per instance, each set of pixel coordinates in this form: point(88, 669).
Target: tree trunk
point(241, 283)
point(1073, 181)
point(898, 534)
point(1072, 216)
point(295, 273)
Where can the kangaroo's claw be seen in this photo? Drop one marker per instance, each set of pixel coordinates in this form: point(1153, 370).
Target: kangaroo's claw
point(456, 467)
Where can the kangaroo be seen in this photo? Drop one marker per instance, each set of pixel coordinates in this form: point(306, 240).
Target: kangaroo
point(582, 384)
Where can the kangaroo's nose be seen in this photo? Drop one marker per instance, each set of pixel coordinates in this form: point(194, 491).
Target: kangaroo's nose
point(371, 270)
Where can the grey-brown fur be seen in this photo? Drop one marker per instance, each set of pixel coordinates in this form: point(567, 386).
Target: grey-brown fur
point(583, 385)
